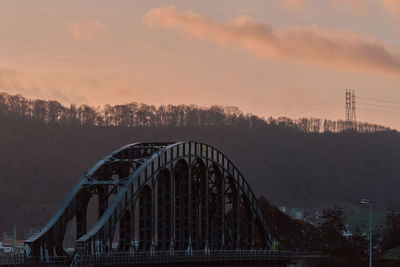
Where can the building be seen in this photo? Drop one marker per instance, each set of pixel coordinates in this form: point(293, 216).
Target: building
point(310, 215)
point(6, 246)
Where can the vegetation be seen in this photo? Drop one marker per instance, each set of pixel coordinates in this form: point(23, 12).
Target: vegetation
point(391, 233)
point(328, 238)
point(341, 250)
point(142, 115)
point(293, 234)
point(42, 157)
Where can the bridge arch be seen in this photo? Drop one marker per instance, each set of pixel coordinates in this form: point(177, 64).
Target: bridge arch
point(168, 196)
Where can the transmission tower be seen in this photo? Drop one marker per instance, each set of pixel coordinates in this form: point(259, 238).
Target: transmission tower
point(347, 110)
point(350, 107)
point(353, 106)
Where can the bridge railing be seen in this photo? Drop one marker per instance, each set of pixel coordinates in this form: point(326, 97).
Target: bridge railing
point(194, 256)
point(21, 259)
point(159, 257)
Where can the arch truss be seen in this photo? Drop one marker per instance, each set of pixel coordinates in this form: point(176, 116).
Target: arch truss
point(185, 196)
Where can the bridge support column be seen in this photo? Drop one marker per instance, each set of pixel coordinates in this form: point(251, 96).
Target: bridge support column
point(153, 216)
point(181, 205)
point(190, 211)
point(251, 229)
point(102, 195)
point(222, 203)
point(145, 212)
point(133, 215)
point(125, 234)
point(163, 210)
point(81, 213)
point(172, 210)
point(206, 221)
point(236, 218)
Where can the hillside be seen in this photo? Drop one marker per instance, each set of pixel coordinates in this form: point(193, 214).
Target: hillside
point(40, 163)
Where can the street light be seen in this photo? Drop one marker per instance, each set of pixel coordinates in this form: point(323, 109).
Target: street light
point(369, 202)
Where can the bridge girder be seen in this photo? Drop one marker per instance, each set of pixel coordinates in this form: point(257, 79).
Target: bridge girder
point(168, 196)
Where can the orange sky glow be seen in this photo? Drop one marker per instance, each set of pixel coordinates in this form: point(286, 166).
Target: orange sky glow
point(274, 58)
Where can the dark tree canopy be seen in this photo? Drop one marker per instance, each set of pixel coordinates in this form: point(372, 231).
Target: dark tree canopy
point(137, 114)
point(391, 233)
point(341, 250)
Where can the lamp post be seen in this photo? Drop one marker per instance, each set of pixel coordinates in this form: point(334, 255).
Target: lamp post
point(369, 202)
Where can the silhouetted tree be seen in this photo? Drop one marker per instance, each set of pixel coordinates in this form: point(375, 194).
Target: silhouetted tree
point(391, 233)
point(341, 250)
point(134, 114)
point(40, 111)
point(87, 115)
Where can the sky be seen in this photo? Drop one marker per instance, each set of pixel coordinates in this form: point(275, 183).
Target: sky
point(274, 58)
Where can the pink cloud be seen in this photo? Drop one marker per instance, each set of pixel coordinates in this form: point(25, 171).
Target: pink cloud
point(305, 44)
point(86, 30)
point(293, 4)
point(31, 85)
point(360, 7)
point(392, 5)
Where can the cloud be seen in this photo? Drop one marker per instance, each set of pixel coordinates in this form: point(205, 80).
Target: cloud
point(293, 5)
point(305, 44)
point(14, 81)
point(360, 7)
point(392, 5)
point(86, 30)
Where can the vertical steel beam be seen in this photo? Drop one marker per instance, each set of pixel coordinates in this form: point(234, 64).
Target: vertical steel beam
point(173, 207)
point(218, 204)
point(164, 211)
point(203, 224)
point(222, 203)
point(145, 224)
point(182, 212)
point(189, 205)
point(102, 192)
point(206, 202)
point(236, 216)
point(251, 229)
point(198, 178)
point(133, 217)
point(125, 231)
point(81, 213)
point(153, 216)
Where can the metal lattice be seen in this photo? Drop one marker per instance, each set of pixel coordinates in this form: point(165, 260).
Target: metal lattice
point(185, 196)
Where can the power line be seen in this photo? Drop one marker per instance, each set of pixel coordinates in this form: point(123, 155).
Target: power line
point(303, 110)
point(330, 111)
point(382, 110)
point(379, 100)
point(350, 110)
point(320, 110)
point(377, 105)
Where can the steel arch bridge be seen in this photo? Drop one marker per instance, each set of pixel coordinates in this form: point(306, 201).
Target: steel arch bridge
point(185, 196)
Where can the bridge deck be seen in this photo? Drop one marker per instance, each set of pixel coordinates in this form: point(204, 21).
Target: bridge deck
point(220, 257)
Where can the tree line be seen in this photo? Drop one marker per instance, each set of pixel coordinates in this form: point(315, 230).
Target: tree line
point(332, 237)
point(137, 114)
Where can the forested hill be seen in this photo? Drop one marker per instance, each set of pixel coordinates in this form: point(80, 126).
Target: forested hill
point(40, 162)
point(137, 114)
